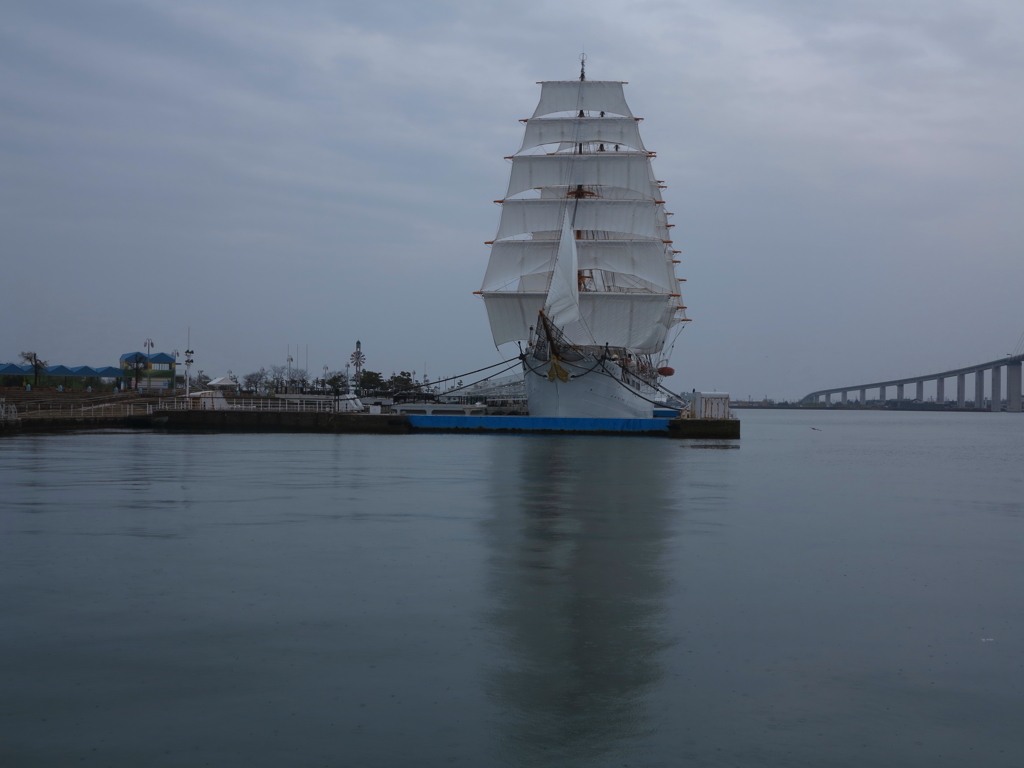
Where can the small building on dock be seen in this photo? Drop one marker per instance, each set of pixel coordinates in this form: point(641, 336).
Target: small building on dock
point(156, 371)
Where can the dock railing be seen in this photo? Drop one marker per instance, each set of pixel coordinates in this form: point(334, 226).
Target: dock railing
point(102, 411)
point(243, 404)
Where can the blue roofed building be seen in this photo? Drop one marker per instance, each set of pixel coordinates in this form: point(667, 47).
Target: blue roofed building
point(156, 371)
point(58, 376)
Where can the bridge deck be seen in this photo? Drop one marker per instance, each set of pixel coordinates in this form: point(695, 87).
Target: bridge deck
point(916, 379)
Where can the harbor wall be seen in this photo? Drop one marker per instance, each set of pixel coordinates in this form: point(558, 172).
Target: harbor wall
point(282, 421)
point(270, 421)
point(64, 424)
point(704, 429)
point(393, 424)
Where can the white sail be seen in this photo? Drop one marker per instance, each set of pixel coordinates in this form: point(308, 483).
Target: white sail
point(637, 321)
point(636, 217)
point(586, 95)
point(512, 315)
point(630, 320)
point(629, 170)
point(562, 305)
point(598, 259)
point(573, 130)
point(646, 259)
point(513, 259)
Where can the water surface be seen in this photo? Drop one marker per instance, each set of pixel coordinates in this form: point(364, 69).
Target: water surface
point(843, 589)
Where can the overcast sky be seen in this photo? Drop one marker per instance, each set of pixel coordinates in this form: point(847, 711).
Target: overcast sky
point(846, 177)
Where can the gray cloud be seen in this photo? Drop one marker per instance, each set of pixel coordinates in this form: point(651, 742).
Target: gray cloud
point(844, 177)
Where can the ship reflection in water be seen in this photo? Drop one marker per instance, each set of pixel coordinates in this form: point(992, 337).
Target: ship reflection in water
point(577, 531)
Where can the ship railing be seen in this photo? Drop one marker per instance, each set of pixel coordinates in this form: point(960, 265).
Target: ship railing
point(490, 399)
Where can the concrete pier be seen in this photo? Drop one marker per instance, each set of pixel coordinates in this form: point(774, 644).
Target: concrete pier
point(899, 393)
point(843, 398)
point(961, 390)
point(282, 421)
point(1013, 382)
point(997, 390)
point(979, 390)
point(863, 396)
point(881, 393)
point(400, 424)
point(919, 395)
point(382, 424)
point(71, 424)
point(940, 390)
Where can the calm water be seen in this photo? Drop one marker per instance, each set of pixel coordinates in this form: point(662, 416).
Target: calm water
point(845, 597)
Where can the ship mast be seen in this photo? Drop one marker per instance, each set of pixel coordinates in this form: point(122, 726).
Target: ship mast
point(585, 278)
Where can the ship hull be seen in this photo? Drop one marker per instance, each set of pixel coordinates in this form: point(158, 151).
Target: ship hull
point(589, 393)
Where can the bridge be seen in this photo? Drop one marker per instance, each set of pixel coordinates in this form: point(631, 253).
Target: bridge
point(1012, 364)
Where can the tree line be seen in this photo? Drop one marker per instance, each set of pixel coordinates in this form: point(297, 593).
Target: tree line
point(280, 378)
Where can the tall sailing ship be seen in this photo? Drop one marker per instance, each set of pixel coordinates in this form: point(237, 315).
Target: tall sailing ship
point(582, 268)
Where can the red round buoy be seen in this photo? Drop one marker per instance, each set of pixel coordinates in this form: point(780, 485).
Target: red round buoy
point(666, 371)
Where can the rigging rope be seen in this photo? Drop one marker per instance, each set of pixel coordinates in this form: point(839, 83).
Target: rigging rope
point(625, 386)
point(600, 362)
point(450, 378)
point(668, 391)
point(485, 378)
point(604, 372)
point(1020, 345)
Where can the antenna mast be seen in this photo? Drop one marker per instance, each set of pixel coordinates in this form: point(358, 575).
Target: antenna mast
point(583, 67)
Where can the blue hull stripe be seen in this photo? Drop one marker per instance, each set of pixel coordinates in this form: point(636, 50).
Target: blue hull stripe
point(537, 424)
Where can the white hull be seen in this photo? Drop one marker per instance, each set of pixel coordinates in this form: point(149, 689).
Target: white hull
point(593, 395)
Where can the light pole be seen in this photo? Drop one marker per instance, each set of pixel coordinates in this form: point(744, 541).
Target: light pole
point(325, 379)
point(288, 383)
point(174, 372)
point(188, 368)
point(148, 344)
